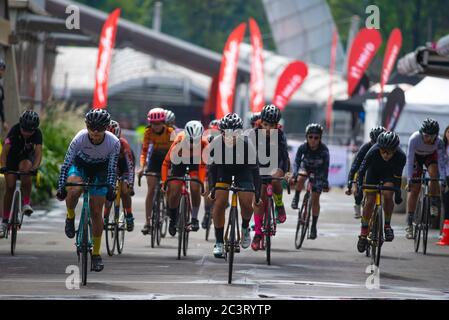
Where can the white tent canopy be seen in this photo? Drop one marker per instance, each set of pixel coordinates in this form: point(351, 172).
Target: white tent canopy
point(428, 99)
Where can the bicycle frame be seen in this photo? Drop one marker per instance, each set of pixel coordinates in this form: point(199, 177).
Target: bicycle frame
point(85, 214)
point(17, 193)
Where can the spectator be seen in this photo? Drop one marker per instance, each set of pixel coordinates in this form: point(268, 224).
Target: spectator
point(2, 97)
point(446, 192)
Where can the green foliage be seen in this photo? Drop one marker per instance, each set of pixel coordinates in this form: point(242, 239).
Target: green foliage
point(206, 23)
point(58, 125)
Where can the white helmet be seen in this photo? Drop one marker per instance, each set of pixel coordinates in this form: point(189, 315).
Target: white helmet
point(169, 117)
point(194, 129)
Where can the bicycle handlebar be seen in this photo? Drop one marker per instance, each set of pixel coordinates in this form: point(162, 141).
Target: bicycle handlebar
point(380, 187)
point(84, 184)
point(425, 179)
point(268, 179)
point(148, 174)
point(21, 173)
point(185, 179)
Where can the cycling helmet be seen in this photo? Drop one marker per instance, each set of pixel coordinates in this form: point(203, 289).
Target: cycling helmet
point(270, 113)
point(214, 124)
point(314, 128)
point(255, 116)
point(114, 127)
point(429, 126)
point(231, 121)
point(388, 140)
point(2, 64)
point(98, 119)
point(194, 129)
point(29, 120)
point(156, 115)
point(375, 133)
point(169, 117)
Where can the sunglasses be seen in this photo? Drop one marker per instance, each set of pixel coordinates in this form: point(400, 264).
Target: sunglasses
point(96, 128)
point(313, 137)
point(386, 152)
point(27, 130)
point(431, 136)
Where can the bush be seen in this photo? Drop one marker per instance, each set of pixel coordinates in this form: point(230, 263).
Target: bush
point(59, 124)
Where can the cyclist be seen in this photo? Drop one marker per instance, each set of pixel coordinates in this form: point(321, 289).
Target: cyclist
point(383, 162)
point(312, 157)
point(269, 120)
point(183, 154)
point(374, 133)
point(213, 131)
point(425, 147)
point(93, 153)
point(232, 154)
point(22, 151)
point(254, 118)
point(125, 172)
point(156, 143)
point(170, 120)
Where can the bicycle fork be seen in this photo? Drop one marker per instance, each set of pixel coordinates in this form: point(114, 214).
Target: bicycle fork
point(236, 244)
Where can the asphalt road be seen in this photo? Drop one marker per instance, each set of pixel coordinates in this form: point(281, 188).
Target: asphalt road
point(326, 268)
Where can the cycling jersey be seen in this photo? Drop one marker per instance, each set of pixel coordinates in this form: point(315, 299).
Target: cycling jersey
point(193, 159)
point(377, 169)
point(418, 149)
point(126, 161)
point(358, 159)
point(243, 166)
point(93, 158)
point(282, 148)
point(21, 148)
point(316, 161)
point(160, 142)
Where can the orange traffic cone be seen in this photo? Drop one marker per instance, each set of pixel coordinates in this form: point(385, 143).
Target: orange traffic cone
point(445, 240)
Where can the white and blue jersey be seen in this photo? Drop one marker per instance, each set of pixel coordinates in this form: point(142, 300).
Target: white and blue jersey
point(86, 159)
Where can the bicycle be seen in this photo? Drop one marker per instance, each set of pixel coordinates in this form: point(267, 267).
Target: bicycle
point(84, 233)
point(304, 213)
point(115, 230)
point(422, 213)
point(16, 216)
point(269, 218)
point(376, 224)
point(159, 214)
point(185, 209)
point(232, 233)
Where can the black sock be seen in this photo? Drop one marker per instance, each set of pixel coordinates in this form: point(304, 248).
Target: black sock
point(245, 223)
point(5, 220)
point(314, 221)
point(297, 194)
point(219, 234)
point(172, 213)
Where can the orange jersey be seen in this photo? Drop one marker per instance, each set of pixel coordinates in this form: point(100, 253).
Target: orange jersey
point(176, 148)
point(161, 142)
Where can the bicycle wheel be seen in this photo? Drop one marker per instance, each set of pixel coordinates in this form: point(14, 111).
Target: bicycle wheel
point(232, 241)
point(209, 223)
point(417, 224)
point(425, 224)
point(372, 237)
point(110, 235)
point(154, 219)
point(120, 231)
point(300, 226)
point(268, 228)
point(14, 225)
point(160, 220)
point(164, 218)
point(185, 243)
point(380, 235)
point(84, 247)
point(181, 227)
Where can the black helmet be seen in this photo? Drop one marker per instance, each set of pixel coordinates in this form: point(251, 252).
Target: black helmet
point(214, 124)
point(255, 117)
point(375, 133)
point(270, 113)
point(231, 121)
point(429, 126)
point(388, 140)
point(29, 120)
point(2, 64)
point(98, 119)
point(314, 128)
